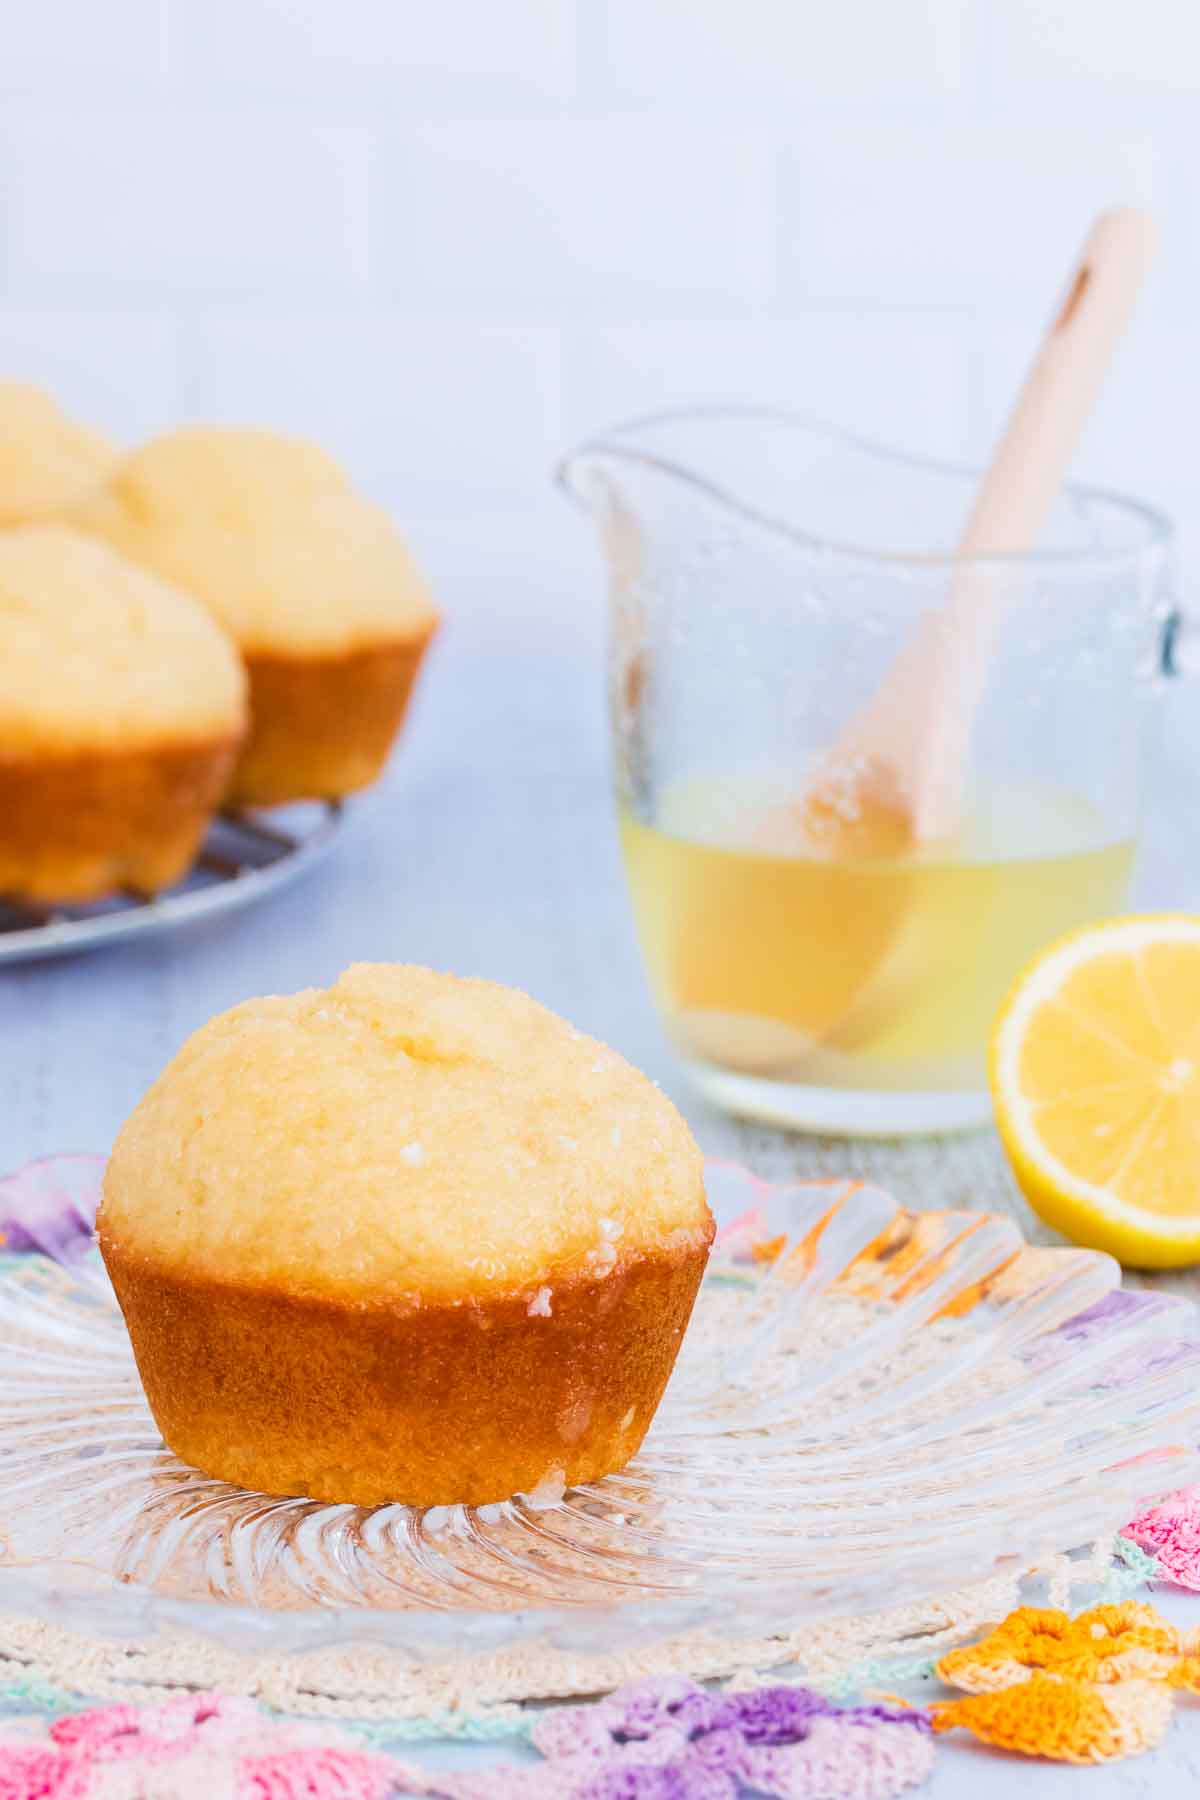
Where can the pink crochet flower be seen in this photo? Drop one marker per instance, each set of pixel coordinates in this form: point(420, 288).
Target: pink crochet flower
point(1170, 1531)
point(201, 1747)
point(671, 1740)
point(738, 1238)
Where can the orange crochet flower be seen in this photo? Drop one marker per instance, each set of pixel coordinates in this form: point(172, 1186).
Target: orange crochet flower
point(1064, 1718)
point(1106, 1644)
point(1078, 1690)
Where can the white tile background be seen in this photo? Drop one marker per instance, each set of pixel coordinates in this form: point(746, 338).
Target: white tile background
point(446, 237)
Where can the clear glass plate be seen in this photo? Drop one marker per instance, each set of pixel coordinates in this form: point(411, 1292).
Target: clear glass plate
point(881, 1406)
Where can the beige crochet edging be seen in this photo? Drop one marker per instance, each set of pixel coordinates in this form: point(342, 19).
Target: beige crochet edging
point(370, 1682)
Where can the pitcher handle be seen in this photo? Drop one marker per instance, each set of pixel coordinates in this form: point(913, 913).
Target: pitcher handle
point(1180, 645)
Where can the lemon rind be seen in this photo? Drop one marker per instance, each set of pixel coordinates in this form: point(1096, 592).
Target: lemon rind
point(1037, 984)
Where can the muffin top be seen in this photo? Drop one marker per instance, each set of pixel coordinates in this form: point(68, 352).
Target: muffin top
point(268, 532)
point(46, 459)
point(402, 1135)
point(96, 653)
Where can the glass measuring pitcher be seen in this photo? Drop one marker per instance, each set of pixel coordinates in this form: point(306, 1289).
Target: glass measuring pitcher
point(764, 576)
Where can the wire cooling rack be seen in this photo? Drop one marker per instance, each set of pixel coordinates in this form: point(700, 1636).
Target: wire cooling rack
point(244, 856)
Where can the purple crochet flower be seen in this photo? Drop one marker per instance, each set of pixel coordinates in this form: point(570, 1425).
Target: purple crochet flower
point(50, 1207)
point(774, 1715)
point(1109, 1319)
point(671, 1740)
point(1105, 1318)
point(699, 1713)
point(642, 1783)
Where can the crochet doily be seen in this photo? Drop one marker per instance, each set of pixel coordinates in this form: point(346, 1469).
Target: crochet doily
point(1085, 1690)
point(471, 1692)
point(367, 1682)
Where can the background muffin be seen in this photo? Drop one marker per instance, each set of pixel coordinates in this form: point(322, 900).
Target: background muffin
point(315, 584)
point(46, 459)
point(122, 705)
point(407, 1238)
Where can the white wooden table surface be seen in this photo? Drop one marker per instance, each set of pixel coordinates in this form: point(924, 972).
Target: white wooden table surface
point(489, 849)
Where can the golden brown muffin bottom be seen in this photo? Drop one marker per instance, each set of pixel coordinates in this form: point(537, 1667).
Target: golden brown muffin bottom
point(322, 726)
point(79, 826)
point(428, 1405)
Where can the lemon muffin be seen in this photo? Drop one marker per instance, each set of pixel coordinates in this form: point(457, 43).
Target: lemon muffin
point(316, 586)
point(408, 1238)
point(122, 705)
point(46, 460)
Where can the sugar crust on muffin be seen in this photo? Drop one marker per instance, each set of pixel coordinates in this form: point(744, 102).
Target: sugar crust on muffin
point(47, 460)
point(316, 585)
point(401, 1132)
point(270, 534)
point(122, 707)
point(96, 652)
point(410, 1238)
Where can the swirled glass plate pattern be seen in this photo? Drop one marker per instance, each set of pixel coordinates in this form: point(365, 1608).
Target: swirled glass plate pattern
point(870, 1406)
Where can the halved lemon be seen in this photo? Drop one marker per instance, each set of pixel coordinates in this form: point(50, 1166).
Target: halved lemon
point(1095, 1072)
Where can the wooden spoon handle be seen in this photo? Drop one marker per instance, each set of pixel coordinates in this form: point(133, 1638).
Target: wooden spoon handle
point(910, 744)
point(1014, 500)
point(1031, 458)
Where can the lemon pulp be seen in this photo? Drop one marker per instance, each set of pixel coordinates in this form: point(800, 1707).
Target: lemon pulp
point(1095, 1073)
